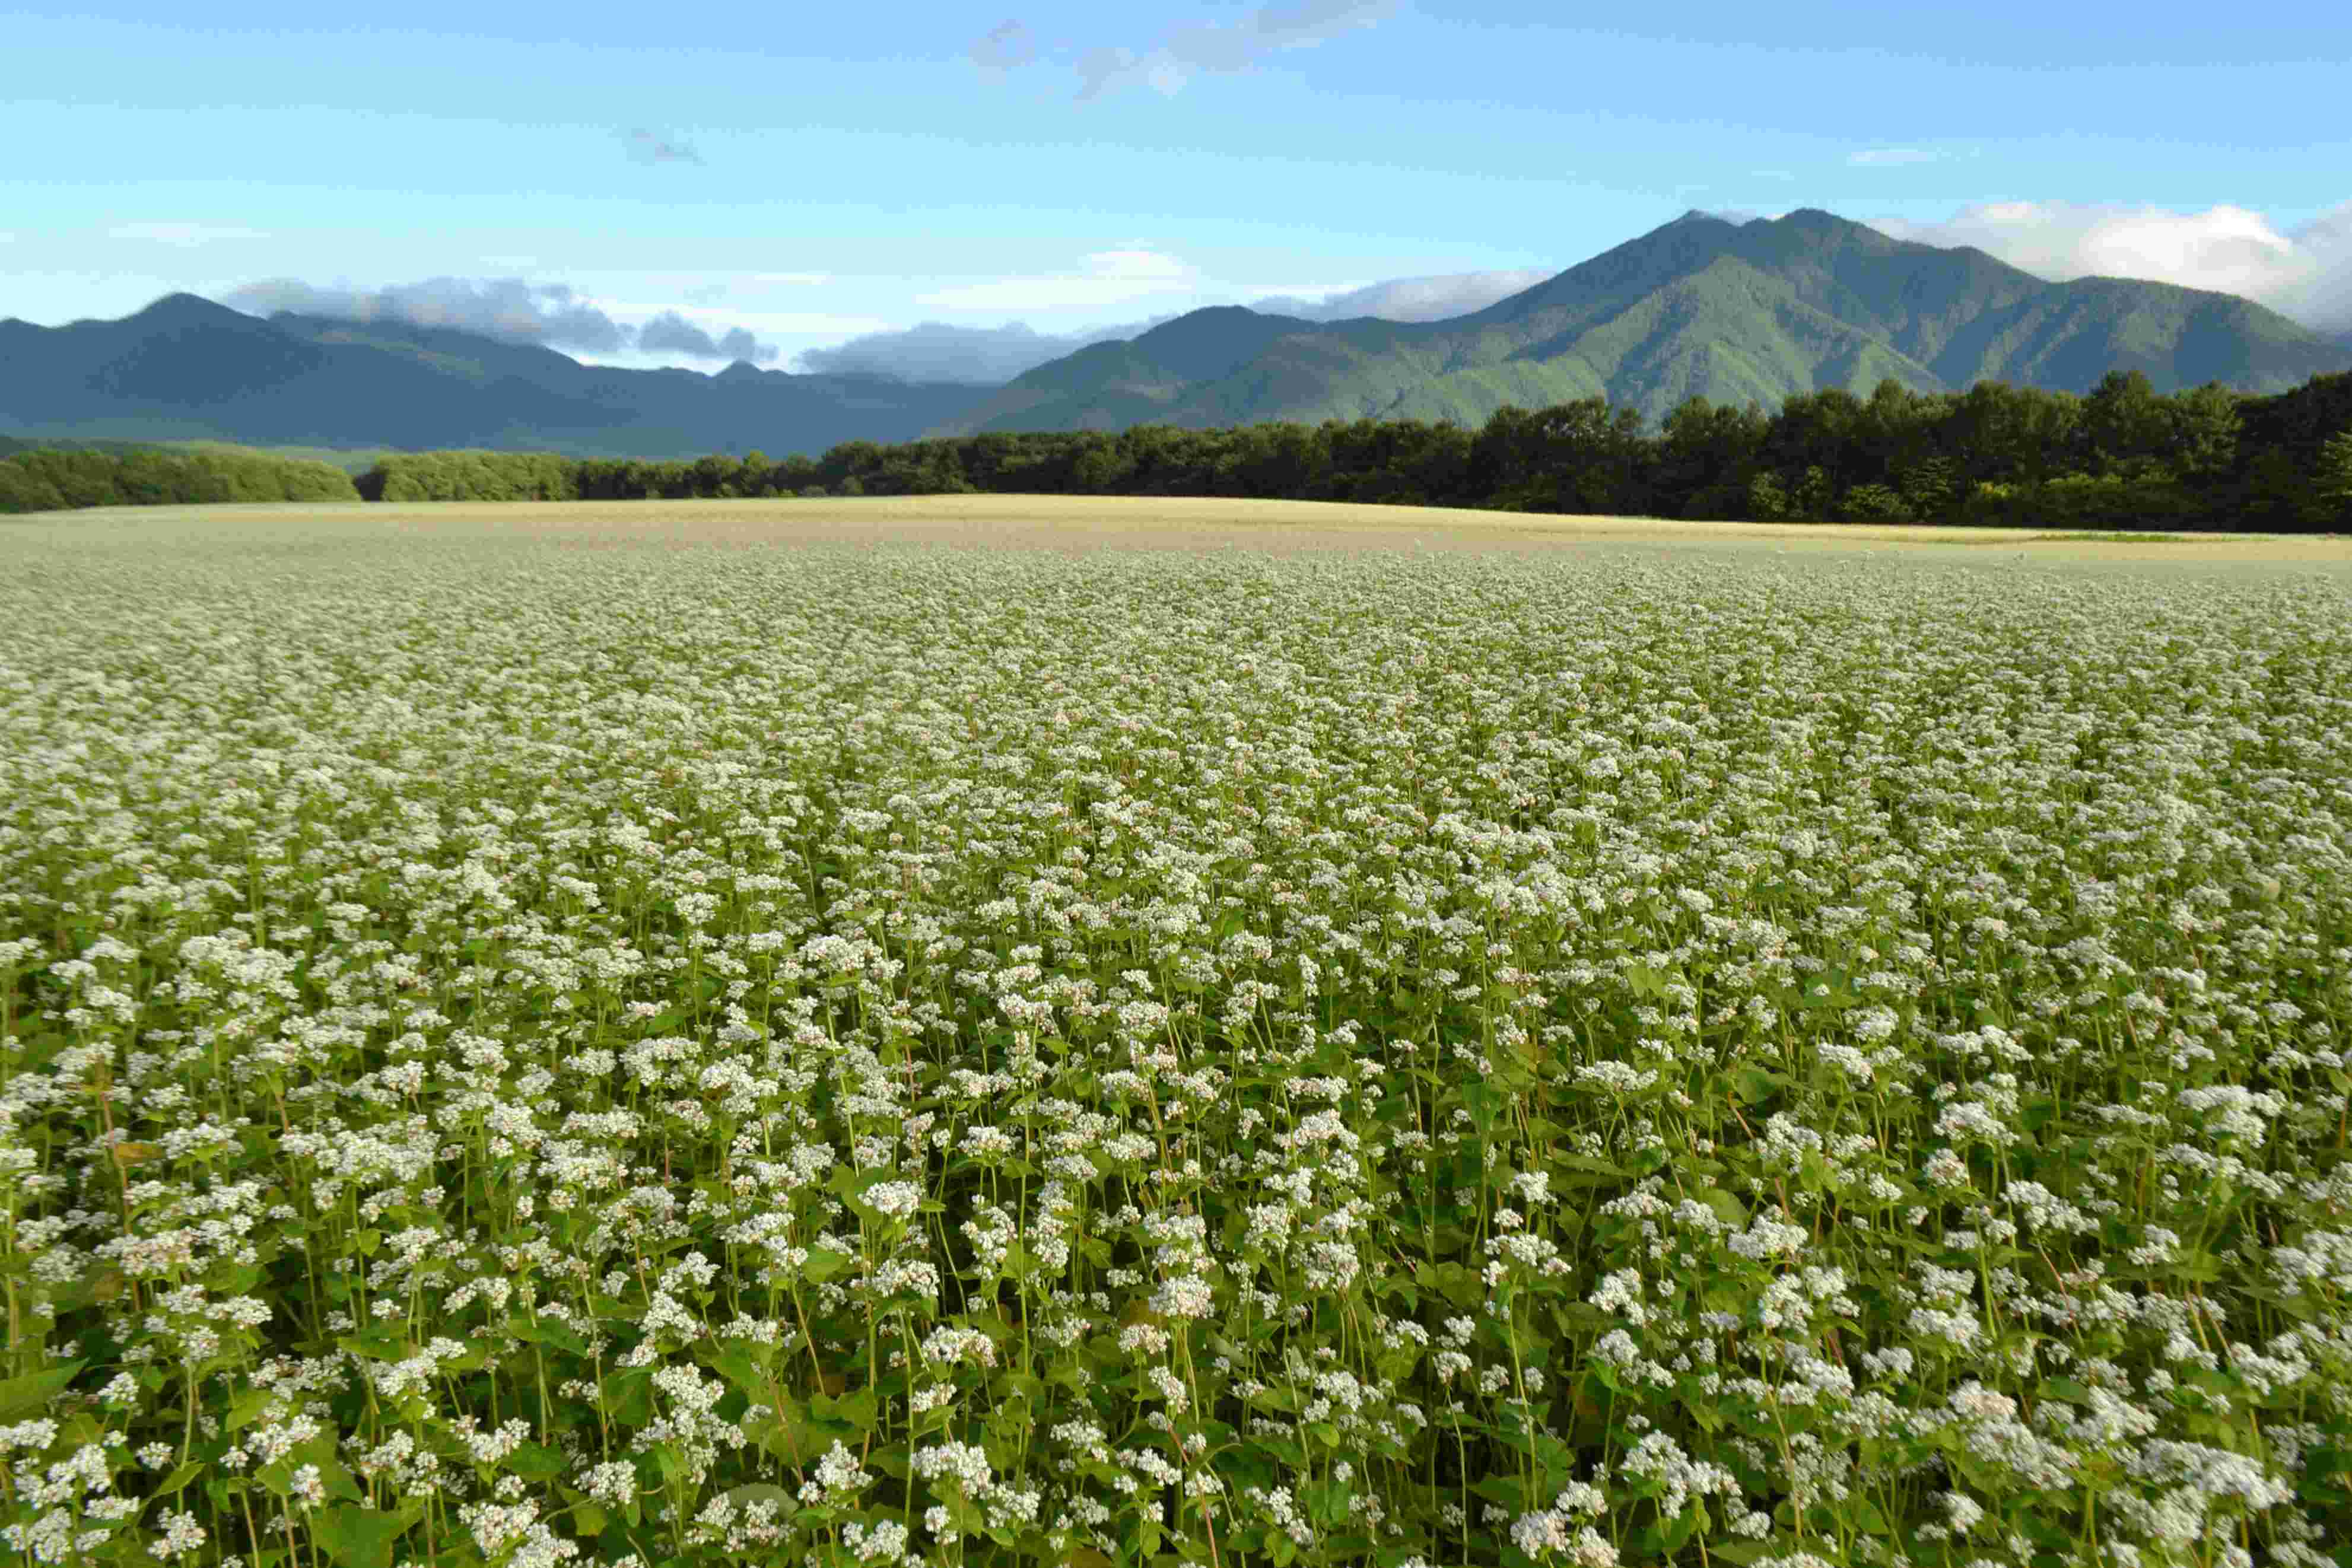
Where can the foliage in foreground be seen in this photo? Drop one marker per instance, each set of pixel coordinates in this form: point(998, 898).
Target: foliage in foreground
point(711, 1056)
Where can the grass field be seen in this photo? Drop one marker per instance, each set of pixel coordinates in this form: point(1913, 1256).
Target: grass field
point(1011, 1031)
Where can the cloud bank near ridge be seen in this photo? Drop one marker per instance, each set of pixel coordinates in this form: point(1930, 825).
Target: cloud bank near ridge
point(2304, 274)
point(549, 315)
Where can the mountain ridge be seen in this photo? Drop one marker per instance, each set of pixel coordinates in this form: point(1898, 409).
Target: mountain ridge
point(1702, 305)
point(1699, 307)
point(185, 367)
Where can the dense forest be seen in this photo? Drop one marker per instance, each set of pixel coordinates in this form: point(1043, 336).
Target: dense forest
point(47, 479)
point(2123, 457)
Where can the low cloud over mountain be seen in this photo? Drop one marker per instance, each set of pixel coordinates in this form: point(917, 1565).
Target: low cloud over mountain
point(938, 351)
point(552, 315)
point(1412, 299)
point(670, 333)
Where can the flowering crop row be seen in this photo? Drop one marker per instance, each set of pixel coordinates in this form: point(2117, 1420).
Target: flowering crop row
point(696, 1056)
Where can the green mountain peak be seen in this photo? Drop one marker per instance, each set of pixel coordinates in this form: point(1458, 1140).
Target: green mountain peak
point(1702, 305)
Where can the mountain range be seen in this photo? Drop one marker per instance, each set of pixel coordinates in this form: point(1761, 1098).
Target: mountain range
point(1702, 305)
point(186, 369)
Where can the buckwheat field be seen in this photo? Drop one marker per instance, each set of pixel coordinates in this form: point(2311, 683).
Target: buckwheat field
point(528, 1045)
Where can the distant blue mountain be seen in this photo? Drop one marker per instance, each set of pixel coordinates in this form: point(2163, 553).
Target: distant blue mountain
point(187, 368)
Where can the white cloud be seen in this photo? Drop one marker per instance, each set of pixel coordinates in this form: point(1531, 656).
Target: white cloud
point(670, 333)
point(783, 323)
point(1104, 278)
point(552, 314)
point(1185, 48)
point(1408, 299)
point(2305, 273)
point(805, 278)
point(1891, 157)
point(975, 356)
point(556, 316)
point(182, 234)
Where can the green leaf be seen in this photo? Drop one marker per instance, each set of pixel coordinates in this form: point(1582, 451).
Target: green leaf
point(31, 1394)
point(249, 1408)
point(744, 1496)
point(375, 1344)
point(733, 1361)
point(178, 1478)
point(1727, 1206)
point(629, 1398)
point(362, 1537)
point(536, 1462)
point(860, 1409)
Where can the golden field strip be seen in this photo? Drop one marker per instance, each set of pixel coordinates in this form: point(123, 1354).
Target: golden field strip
point(1073, 522)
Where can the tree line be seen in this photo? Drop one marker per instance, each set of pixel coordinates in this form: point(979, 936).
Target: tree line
point(49, 479)
point(2121, 456)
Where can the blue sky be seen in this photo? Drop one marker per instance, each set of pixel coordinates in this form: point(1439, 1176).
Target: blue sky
point(809, 174)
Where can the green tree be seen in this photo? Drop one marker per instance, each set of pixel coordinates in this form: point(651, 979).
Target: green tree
point(1809, 498)
point(2129, 428)
point(2332, 480)
point(1706, 464)
point(1874, 504)
point(2205, 424)
point(1929, 485)
point(22, 490)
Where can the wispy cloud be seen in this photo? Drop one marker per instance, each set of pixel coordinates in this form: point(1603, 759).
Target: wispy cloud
point(1002, 48)
point(1104, 278)
point(2304, 273)
point(647, 147)
point(1891, 157)
point(182, 234)
point(1184, 50)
